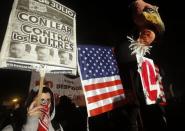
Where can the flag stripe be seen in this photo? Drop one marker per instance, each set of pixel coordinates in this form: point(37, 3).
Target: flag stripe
point(101, 80)
point(105, 101)
point(162, 94)
point(103, 90)
point(106, 108)
point(102, 85)
point(104, 96)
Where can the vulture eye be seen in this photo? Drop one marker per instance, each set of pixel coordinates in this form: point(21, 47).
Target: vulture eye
point(151, 10)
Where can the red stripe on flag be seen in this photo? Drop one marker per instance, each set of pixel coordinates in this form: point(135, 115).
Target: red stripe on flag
point(106, 108)
point(162, 95)
point(105, 95)
point(102, 85)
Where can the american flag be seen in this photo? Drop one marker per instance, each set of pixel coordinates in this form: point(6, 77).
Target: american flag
point(163, 101)
point(100, 78)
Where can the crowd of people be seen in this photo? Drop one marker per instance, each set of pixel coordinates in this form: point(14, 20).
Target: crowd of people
point(43, 113)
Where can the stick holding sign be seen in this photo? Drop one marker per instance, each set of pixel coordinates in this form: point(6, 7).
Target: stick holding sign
point(36, 31)
point(28, 44)
point(42, 75)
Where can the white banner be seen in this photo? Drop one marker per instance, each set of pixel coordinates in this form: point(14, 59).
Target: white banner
point(40, 34)
point(61, 85)
point(146, 69)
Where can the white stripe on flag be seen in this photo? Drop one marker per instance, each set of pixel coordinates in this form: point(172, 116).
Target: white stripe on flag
point(161, 92)
point(100, 80)
point(103, 90)
point(105, 102)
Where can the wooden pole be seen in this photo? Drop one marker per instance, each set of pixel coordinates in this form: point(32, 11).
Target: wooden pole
point(42, 76)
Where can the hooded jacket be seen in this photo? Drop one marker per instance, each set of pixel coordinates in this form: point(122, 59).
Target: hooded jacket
point(32, 122)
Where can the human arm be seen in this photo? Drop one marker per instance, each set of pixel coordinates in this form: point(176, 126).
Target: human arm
point(32, 117)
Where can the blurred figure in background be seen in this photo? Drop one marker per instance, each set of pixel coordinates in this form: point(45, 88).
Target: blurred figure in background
point(69, 116)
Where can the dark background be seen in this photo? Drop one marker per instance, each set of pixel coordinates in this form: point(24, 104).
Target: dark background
point(103, 22)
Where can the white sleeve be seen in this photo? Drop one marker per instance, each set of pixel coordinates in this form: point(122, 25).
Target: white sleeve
point(31, 124)
point(61, 128)
point(8, 128)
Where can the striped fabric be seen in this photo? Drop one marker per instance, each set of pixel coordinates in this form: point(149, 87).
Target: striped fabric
point(100, 78)
point(44, 118)
point(146, 69)
point(161, 94)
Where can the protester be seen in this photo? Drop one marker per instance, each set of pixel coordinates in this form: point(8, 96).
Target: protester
point(39, 112)
point(68, 115)
point(13, 119)
point(40, 116)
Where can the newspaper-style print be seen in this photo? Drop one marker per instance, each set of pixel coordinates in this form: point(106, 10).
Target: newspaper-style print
point(40, 34)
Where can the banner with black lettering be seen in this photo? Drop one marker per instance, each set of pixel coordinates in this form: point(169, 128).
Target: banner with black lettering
point(151, 88)
point(61, 85)
point(40, 33)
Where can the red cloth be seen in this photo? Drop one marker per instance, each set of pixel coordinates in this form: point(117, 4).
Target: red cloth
point(162, 96)
point(44, 119)
point(147, 73)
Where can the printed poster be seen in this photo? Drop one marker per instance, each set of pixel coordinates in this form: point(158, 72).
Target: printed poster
point(61, 85)
point(40, 34)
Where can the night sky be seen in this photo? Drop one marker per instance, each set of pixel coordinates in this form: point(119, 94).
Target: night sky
point(104, 22)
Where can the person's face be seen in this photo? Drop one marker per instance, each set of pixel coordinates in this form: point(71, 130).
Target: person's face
point(43, 54)
point(64, 58)
point(17, 50)
point(147, 36)
point(45, 99)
